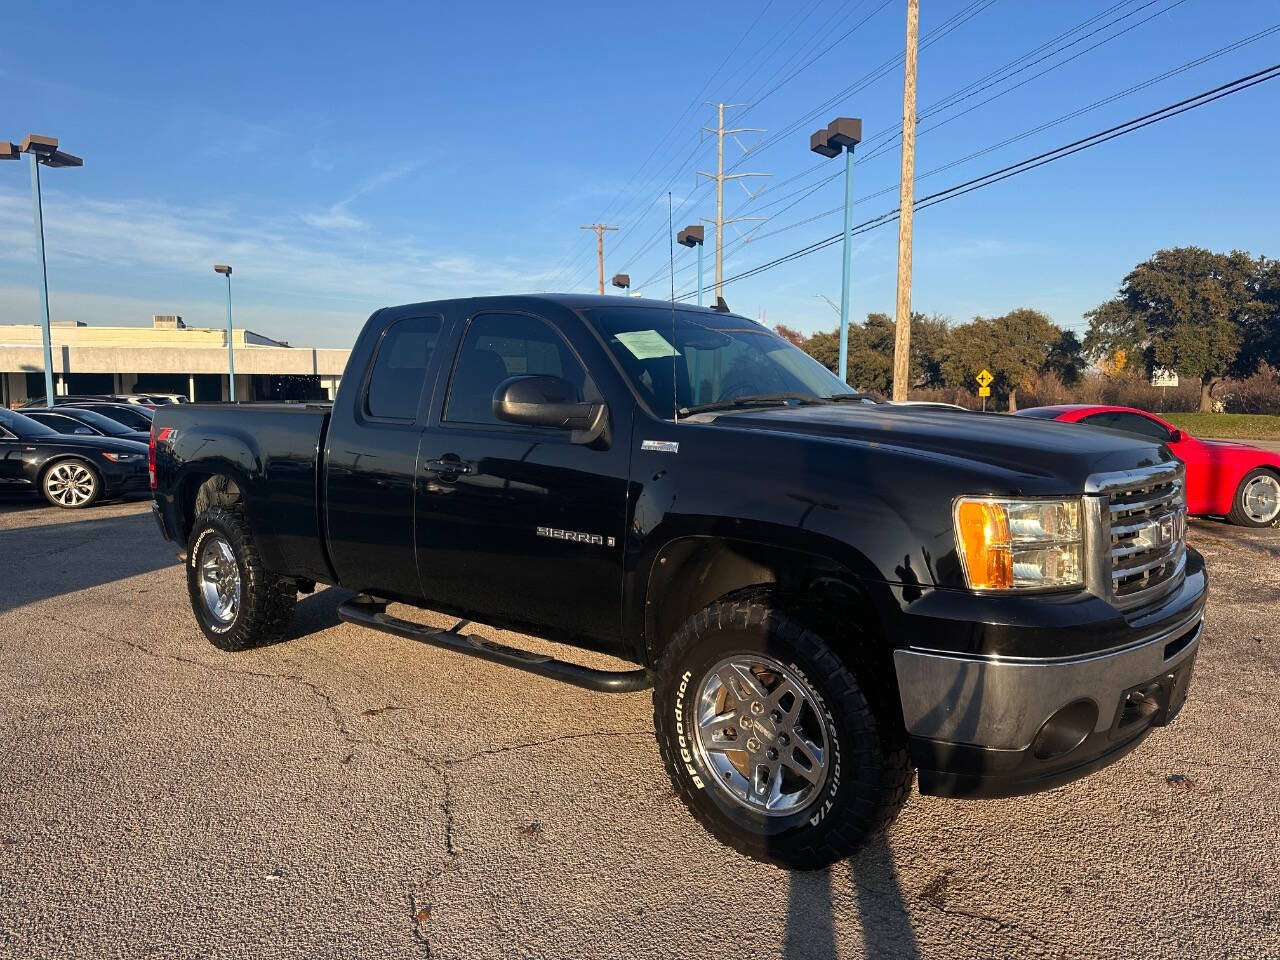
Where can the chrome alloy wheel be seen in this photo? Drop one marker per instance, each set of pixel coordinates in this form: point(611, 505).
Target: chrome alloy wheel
point(70, 484)
point(1261, 498)
point(219, 580)
point(760, 735)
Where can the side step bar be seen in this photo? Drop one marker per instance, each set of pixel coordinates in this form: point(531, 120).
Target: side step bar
point(372, 613)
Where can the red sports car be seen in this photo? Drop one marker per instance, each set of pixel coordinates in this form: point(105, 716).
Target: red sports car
point(1227, 479)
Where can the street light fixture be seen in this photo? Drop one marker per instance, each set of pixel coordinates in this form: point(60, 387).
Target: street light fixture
point(41, 150)
point(843, 133)
point(692, 237)
point(225, 270)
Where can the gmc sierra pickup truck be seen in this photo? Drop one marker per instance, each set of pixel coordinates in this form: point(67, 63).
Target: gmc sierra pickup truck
point(826, 594)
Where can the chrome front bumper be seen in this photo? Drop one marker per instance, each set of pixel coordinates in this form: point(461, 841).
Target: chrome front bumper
point(1000, 703)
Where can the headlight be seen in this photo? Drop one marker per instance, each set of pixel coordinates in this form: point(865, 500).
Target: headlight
point(1019, 544)
point(121, 457)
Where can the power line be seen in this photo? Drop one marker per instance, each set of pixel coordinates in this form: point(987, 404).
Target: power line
point(1202, 99)
point(1080, 111)
point(696, 193)
point(697, 99)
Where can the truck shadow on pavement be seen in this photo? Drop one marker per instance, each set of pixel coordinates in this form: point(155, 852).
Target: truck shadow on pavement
point(872, 880)
point(48, 560)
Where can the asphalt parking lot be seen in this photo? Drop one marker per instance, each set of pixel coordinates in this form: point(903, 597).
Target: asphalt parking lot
point(348, 794)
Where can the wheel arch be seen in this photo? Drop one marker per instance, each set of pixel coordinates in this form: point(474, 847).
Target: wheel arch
point(191, 480)
point(691, 572)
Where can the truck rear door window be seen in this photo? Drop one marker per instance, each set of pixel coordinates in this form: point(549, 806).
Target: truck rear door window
point(499, 346)
point(400, 368)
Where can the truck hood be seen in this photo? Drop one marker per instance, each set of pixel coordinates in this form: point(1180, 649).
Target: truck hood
point(1022, 450)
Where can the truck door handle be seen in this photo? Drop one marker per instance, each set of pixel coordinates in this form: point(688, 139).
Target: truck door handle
point(449, 464)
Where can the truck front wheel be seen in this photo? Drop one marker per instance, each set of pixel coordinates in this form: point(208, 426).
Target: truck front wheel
point(769, 738)
point(238, 603)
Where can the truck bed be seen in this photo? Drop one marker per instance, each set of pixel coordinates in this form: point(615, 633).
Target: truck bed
point(273, 450)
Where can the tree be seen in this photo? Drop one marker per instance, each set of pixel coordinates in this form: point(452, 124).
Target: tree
point(871, 351)
point(1191, 310)
point(929, 337)
point(825, 348)
point(791, 334)
point(1066, 358)
point(1014, 347)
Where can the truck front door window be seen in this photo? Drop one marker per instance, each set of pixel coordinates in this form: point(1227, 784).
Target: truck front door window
point(499, 346)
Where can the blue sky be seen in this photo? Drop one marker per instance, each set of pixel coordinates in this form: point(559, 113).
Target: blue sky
point(346, 156)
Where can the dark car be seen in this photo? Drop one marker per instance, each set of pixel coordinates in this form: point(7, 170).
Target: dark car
point(70, 471)
point(79, 421)
point(133, 399)
point(826, 595)
point(130, 414)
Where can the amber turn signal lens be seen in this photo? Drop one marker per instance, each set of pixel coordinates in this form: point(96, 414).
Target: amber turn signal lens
point(982, 531)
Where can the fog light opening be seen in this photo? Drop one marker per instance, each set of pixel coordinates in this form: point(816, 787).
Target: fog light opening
point(1065, 730)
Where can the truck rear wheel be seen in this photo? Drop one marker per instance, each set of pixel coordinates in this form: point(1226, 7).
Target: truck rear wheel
point(769, 738)
point(238, 603)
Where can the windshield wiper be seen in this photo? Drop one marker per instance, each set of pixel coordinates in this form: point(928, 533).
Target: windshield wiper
point(752, 399)
point(853, 397)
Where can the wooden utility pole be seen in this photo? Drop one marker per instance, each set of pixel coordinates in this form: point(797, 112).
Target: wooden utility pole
point(600, 228)
point(720, 177)
point(906, 205)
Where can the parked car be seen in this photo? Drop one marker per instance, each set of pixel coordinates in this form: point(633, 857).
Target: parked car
point(134, 399)
point(131, 415)
point(1224, 478)
point(825, 594)
point(70, 471)
point(82, 421)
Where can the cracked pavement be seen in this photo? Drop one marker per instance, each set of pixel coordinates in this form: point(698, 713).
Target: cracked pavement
point(351, 794)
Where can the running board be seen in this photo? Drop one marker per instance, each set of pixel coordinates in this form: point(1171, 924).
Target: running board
point(373, 614)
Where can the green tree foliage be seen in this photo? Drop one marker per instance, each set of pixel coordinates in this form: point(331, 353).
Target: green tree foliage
point(1191, 310)
point(871, 351)
point(1015, 347)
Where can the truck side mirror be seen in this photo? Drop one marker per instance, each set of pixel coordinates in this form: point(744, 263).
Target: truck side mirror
point(543, 401)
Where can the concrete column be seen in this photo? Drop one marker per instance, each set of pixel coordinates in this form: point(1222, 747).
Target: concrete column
point(191, 386)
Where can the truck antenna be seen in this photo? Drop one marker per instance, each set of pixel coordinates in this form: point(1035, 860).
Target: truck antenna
point(671, 256)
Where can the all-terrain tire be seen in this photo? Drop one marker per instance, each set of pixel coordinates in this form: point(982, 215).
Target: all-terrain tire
point(266, 601)
point(869, 776)
point(1239, 514)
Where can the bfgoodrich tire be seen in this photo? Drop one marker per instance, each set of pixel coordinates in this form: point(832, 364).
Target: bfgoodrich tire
point(1256, 502)
point(769, 738)
point(238, 603)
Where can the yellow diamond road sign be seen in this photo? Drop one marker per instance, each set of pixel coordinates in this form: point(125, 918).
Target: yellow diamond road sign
point(984, 378)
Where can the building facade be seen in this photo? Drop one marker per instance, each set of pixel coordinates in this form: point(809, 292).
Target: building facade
point(167, 357)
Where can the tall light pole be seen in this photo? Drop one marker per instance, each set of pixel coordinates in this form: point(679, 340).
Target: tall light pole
point(906, 212)
point(693, 236)
point(843, 133)
point(225, 270)
point(41, 150)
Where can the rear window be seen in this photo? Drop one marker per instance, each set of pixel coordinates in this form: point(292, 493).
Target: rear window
point(400, 368)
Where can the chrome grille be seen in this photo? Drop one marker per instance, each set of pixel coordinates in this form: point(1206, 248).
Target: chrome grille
point(1145, 521)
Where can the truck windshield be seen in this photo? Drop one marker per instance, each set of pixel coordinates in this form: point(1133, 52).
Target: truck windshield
point(694, 360)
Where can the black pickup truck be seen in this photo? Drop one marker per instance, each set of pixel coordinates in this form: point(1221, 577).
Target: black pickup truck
point(826, 593)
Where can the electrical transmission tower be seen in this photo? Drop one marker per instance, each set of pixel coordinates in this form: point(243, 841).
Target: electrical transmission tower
point(600, 229)
point(720, 177)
